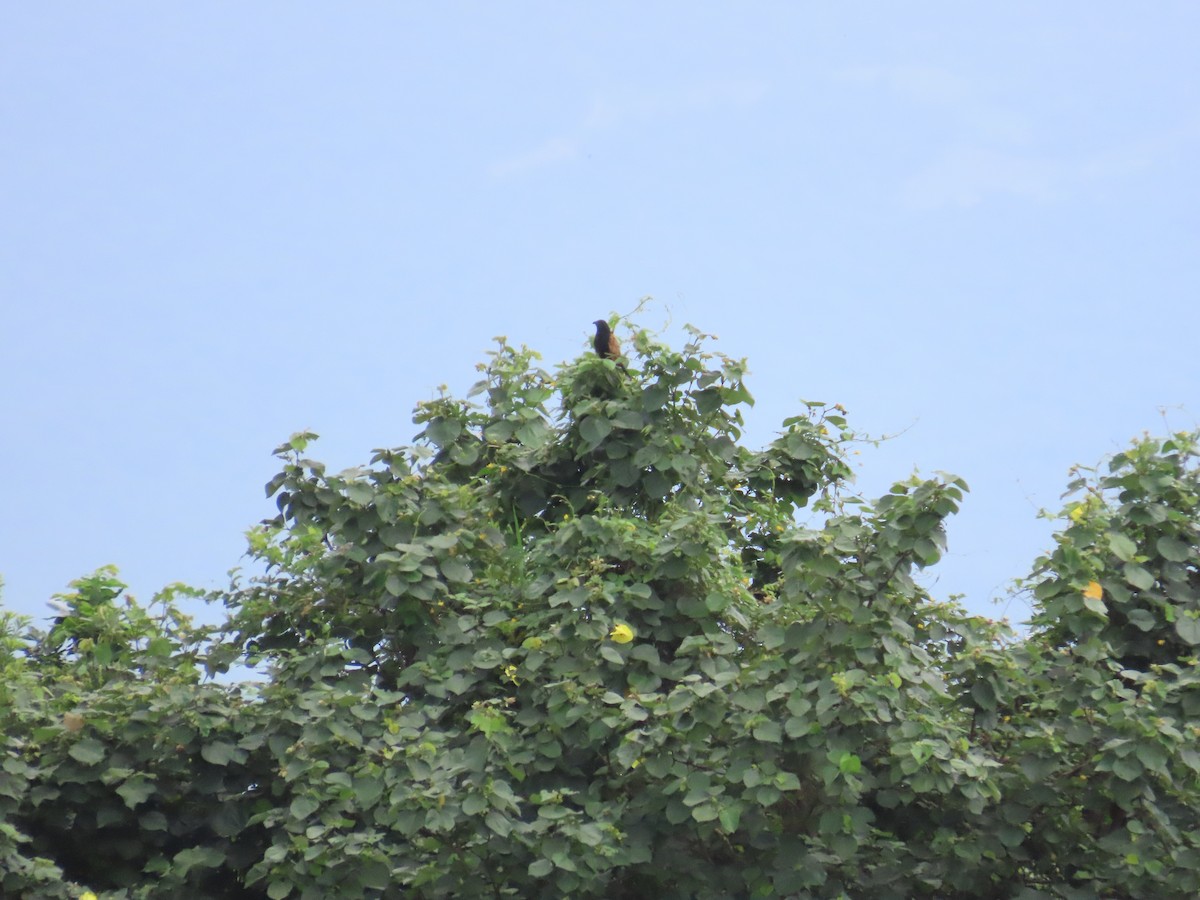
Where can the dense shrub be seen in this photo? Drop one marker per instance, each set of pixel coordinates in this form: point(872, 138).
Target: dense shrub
point(579, 641)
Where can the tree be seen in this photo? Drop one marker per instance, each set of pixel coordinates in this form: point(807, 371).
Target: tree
point(579, 641)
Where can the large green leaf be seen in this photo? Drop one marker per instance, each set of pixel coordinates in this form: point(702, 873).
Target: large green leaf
point(136, 790)
point(88, 751)
point(593, 430)
point(1188, 629)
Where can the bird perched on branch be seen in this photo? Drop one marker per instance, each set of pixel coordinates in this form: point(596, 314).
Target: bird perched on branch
point(606, 343)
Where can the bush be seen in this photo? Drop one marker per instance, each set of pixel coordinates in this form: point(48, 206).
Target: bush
point(579, 641)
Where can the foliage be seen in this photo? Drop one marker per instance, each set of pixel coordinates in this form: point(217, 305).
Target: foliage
point(579, 641)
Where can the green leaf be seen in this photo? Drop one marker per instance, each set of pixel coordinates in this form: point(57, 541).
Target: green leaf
point(1127, 768)
point(716, 602)
point(153, 821)
point(136, 791)
point(1037, 768)
point(796, 727)
point(88, 751)
point(849, 764)
point(1010, 835)
point(798, 704)
point(474, 804)
point(1122, 547)
point(540, 868)
point(360, 493)
point(730, 816)
point(575, 597)
point(1138, 577)
point(303, 807)
point(533, 434)
point(630, 419)
point(1142, 619)
point(456, 570)
point(439, 819)
point(108, 814)
point(275, 484)
point(442, 431)
point(787, 781)
point(610, 653)
point(1174, 550)
point(1188, 629)
point(655, 396)
point(375, 874)
point(198, 857)
point(230, 820)
point(1151, 755)
point(593, 430)
point(220, 753)
point(499, 823)
point(983, 693)
point(705, 812)
point(768, 731)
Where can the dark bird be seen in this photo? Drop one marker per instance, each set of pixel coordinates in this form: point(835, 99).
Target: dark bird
point(606, 343)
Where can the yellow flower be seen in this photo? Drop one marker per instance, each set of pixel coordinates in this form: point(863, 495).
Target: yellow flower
point(1093, 591)
point(621, 633)
point(1077, 512)
point(510, 672)
point(88, 895)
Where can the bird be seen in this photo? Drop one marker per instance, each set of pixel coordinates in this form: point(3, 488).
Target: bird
point(606, 343)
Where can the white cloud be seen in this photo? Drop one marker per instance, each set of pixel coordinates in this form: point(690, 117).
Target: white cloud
point(995, 151)
point(1142, 153)
point(925, 84)
point(966, 176)
point(616, 108)
point(555, 150)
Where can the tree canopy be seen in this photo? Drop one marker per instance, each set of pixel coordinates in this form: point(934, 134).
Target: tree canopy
point(578, 640)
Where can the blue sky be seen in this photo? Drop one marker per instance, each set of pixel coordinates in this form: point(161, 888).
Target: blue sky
point(975, 225)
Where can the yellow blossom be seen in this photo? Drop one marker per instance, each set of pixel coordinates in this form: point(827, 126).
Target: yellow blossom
point(1093, 591)
point(621, 633)
point(88, 895)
